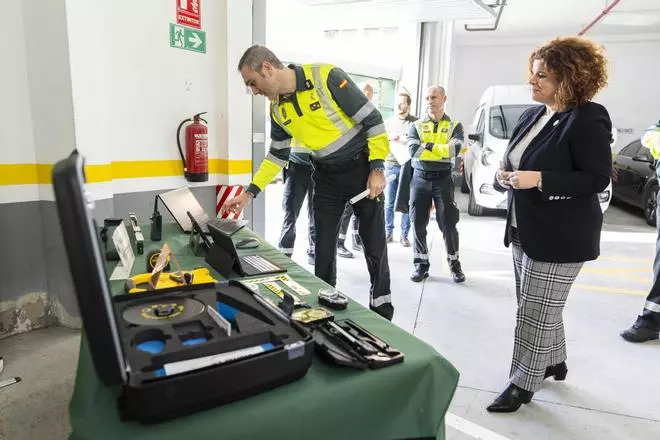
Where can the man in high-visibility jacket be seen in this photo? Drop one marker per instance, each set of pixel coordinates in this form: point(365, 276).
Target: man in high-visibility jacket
point(319, 105)
point(433, 142)
point(297, 185)
point(647, 325)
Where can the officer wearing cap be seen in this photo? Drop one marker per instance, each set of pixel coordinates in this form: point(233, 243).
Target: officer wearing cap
point(319, 105)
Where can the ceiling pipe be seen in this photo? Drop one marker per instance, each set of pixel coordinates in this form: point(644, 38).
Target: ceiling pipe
point(501, 4)
point(599, 18)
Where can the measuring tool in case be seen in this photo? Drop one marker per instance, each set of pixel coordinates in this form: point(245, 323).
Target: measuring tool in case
point(277, 290)
point(293, 285)
point(287, 280)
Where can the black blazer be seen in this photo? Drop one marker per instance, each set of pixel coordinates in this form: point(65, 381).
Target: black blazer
point(562, 223)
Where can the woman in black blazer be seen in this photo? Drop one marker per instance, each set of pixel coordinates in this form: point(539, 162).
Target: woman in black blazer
point(557, 162)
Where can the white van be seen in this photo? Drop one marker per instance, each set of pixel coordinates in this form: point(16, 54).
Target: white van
point(498, 112)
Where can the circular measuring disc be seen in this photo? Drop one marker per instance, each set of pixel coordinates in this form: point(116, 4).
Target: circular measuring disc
point(163, 312)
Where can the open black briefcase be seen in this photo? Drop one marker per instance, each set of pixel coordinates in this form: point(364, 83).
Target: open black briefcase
point(174, 351)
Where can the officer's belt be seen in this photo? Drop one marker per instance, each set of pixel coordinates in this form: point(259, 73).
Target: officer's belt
point(359, 159)
point(430, 175)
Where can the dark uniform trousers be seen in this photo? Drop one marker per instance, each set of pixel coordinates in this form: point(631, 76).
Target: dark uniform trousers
point(345, 221)
point(650, 317)
point(297, 184)
point(334, 185)
point(436, 187)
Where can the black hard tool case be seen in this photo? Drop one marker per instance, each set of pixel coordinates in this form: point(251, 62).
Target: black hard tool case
point(166, 350)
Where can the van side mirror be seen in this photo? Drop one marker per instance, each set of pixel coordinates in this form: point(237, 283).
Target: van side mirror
point(474, 137)
point(641, 158)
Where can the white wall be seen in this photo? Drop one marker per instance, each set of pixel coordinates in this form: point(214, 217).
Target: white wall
point(131, 89)
point(35, 99)
point(631, 97)
point(102, 77)
point(16, 139)
point(475, 68)
point(238, 103)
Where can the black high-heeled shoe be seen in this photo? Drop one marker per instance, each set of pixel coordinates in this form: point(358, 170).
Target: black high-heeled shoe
point(559, 371)
point(510, 399)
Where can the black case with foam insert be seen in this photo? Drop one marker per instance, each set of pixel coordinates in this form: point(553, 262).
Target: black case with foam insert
point(165, 350)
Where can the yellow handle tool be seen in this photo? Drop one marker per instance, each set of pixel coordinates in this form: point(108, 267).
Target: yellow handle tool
point(200, 275)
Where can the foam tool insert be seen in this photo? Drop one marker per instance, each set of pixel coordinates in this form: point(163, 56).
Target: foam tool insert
point(166, 330)
point(172, 334)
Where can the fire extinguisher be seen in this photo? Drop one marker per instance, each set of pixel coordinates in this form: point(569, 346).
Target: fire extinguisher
point(196, 160)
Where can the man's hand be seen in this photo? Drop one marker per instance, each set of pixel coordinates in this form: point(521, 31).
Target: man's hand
point(376, 183)
point(524, 179)
point(236, 204)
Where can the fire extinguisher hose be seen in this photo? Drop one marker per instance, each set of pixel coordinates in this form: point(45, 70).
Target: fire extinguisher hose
point(178, 142)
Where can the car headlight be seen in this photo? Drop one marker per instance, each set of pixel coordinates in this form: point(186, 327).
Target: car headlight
point(604, 196)
point(488, 157)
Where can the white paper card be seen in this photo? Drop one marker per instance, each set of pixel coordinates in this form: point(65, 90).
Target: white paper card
point(125, 250)
point(400, 152)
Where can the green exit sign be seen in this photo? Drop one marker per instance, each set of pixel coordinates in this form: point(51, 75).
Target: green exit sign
point(182, 37)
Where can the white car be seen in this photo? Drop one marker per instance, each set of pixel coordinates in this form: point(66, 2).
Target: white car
point(498, 112)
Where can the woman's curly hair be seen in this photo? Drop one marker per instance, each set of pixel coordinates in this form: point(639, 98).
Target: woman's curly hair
point(579, 66)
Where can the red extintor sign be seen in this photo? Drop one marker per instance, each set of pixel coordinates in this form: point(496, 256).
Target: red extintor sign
point(189, 13)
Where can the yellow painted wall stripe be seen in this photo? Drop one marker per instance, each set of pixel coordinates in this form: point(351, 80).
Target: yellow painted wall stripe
point(32, 174)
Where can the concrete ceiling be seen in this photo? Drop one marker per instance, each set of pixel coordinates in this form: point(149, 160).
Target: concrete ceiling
point(519, 17)
point(568, 17)
point(344, 14)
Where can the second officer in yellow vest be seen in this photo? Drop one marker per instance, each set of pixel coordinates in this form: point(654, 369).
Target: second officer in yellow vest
point(319, 105)
point(434, 141)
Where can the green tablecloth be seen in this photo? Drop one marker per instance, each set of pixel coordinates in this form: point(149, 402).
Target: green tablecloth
point(408, 400)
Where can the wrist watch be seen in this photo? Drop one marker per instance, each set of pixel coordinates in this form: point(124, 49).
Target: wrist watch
point(539, 184)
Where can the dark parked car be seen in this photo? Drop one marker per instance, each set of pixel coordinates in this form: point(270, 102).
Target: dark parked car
point(634, 180)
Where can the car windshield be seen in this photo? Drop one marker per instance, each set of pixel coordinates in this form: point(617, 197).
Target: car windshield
point(503, 119)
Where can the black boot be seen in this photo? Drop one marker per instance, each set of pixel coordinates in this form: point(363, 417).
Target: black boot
point(357, 242)
point(639, 333)
point(510, 399)
point(559, 371)
point(419, 274)
point(456, 272)
point(342, 251)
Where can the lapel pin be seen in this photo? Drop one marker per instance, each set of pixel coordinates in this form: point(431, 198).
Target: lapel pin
point(556, 122)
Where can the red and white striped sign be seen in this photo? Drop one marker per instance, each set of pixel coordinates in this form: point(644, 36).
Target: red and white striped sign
point(224, 193)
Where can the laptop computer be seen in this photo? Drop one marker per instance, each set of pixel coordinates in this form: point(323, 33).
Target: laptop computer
point(244, 265)
point(181, 201)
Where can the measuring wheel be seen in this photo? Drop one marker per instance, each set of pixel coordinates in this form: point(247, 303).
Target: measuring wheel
point(152, 258)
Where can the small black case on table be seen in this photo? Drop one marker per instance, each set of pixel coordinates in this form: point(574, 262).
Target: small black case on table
point(137, 340)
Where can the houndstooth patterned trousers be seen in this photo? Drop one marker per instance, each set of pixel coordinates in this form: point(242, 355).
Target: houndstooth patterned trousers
point(541, 291)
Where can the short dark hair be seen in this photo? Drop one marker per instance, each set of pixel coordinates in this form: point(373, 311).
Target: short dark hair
point(255, 56)
point(407, 96)
point(580, 66)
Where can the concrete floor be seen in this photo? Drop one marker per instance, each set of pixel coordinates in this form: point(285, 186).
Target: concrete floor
point(610, 392)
